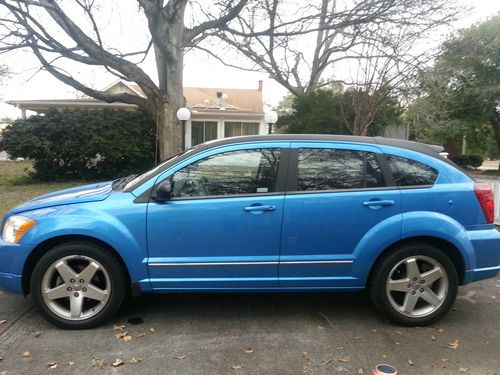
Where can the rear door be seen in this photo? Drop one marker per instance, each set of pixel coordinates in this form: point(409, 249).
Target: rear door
point(336, 194)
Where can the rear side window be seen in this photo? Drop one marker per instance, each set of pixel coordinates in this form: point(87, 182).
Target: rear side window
point(408, 172)
point(335, 169)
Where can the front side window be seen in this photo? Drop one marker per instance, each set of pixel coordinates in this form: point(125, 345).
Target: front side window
point(237, 128)
point(336, 169)
point(231, 173)
point(408, 172)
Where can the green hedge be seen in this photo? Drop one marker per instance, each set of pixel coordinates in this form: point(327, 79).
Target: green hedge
point(83, 144)
point(468, 161)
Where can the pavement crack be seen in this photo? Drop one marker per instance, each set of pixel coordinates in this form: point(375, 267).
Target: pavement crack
point(10, 324)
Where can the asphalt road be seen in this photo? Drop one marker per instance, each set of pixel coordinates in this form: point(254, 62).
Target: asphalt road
point(256, 334)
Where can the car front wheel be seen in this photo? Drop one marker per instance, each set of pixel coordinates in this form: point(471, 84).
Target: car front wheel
point(414, 285)
point(78, 285)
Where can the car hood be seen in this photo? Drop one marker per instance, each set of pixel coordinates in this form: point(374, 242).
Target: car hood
point(87, 193)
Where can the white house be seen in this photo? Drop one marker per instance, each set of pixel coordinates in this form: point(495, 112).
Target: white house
point(215, 112)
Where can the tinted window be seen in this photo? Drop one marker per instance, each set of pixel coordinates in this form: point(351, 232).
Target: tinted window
point(231, 173)
point(203, 131)
point(332, 169)
point(408, 172)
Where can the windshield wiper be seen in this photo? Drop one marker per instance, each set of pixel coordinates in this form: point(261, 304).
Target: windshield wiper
point(120, 183)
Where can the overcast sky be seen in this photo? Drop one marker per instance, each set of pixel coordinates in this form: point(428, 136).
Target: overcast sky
point(200, 71)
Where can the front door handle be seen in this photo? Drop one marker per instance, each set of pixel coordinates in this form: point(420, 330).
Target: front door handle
point(378, 203)
point(259, 208)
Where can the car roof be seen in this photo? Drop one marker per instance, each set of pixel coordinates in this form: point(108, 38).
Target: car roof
point(431, 150)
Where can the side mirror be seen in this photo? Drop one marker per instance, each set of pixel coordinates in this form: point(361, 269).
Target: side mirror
point(163, 191)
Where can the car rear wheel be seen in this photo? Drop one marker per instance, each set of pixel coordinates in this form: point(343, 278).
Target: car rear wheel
point(78, 285)
point(414, 285)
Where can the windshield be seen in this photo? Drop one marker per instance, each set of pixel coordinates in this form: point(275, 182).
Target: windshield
point(152, 172)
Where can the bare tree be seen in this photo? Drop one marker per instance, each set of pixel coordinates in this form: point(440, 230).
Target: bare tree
point(37, 25)
point(299, 55)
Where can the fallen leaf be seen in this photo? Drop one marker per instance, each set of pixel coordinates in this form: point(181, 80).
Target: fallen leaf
point(119, 328)
point(397, 342)
point(384, 356)
point(101, 364)
point(3, 321)
point(37, 334)
point(304, 354)
point(439, 329)
point(433, 338)
point(121, 335)
point(398, 332)
point(463, 369)
point(152, 329)
point(237, 367)
point(327, 362)
point(135, 361)
point(70, 363)
point(117, 362)
point(26, 354)
point(181, 357)
point(345, 359)
point(142, 334)
point(410, 362)
point(127, 338)
point(52, 365)
point(248, 350)
point(3, 373)
point(453, 345)
point(1, 358)
point(361, 371)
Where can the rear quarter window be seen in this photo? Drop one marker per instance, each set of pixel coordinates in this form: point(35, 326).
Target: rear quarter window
point(407, 172)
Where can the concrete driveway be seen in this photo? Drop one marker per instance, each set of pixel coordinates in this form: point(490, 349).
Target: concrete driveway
point(256, 334)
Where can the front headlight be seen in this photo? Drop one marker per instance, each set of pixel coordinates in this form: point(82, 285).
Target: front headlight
point(15, 227)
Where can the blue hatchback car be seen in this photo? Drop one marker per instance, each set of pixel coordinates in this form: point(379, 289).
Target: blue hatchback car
point(256, 214)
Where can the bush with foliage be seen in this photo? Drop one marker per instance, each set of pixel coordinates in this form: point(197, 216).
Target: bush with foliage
point(83, 144)
point(468, 161)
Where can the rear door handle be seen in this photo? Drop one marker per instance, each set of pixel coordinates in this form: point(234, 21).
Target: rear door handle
point(378, 203)
point(259, 208)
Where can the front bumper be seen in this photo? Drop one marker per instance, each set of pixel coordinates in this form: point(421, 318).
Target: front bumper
point(486, 245)
point(12, 260)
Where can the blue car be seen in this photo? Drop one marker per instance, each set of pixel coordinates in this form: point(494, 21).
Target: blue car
point(260, 214)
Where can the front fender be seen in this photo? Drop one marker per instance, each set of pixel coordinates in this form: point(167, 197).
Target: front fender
point(123, 230)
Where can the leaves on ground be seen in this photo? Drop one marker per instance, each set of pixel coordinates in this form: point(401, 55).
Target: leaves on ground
point(142, 334)
point(463, 369)
point(345, 359)
point(26, 354)
point(70, 363)
point(181, 357)
point(119, 328)
point(52, 365)
point(433, 338)
point(248, 350)
point(304, 354)
point(410, 362)
point(117, 362)
point(152, 329)
point(361, 371)
point(101, 364)
point(3, 373)
point(237, 367)
point(3, 321)
point(135, 361)
point(453, 345)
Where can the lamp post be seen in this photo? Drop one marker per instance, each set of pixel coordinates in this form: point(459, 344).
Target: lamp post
point(270, 118)
point(183, 115)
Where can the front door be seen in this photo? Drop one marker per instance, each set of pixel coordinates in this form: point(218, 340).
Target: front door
point(337, 196)
point(222, 227)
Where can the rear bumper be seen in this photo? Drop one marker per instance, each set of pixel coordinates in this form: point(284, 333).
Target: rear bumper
point(486, 245)
point(12, 260)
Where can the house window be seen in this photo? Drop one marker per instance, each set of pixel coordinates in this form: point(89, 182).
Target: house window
point(203, 131)
point(237, 128)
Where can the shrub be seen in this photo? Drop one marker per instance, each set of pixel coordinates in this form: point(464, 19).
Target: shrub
point(83, 144)
point(468, 161)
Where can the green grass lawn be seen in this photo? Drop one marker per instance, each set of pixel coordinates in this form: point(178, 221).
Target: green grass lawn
point(16, 186)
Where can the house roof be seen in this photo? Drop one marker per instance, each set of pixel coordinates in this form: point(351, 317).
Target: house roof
point(199, 99)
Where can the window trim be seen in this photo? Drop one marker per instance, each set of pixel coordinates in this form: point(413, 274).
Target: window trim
point(293, 173)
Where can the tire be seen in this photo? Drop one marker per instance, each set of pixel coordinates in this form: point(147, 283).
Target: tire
point(414, 284)
point(62, 294)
